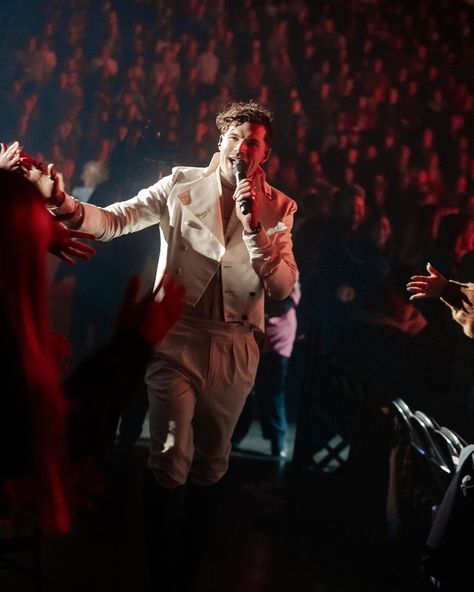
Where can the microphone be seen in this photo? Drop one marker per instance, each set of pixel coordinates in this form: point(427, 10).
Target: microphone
point(240, 172)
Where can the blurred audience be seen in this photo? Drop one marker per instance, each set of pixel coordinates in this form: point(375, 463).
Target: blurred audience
point(367, 94)
point(94, 172)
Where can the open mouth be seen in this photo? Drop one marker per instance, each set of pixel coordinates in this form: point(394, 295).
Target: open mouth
point(234, 160)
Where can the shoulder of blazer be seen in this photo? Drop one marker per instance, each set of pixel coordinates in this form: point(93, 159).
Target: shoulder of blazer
point(280, 198)
point(186, 174)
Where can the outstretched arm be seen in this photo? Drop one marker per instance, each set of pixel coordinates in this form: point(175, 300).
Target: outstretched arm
point(459, 297)
point(119, 218)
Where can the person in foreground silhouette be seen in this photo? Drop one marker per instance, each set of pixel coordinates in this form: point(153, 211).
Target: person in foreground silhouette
point(50, 432)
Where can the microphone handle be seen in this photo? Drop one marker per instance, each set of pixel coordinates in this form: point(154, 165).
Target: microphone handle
point(240, 176)
point(246, 205)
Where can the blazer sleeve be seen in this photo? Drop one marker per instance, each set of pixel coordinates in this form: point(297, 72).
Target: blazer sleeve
point(271, 255)
point(124, 217)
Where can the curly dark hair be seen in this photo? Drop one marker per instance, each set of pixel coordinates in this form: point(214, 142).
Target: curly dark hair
point(236, 113)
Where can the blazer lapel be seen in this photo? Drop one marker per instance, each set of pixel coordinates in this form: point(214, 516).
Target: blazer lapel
point(201, 199)
point(233, 225)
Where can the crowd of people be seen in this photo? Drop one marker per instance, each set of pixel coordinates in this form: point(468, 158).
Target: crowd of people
point(374, 104)
point(374, 93)
point(374, 99)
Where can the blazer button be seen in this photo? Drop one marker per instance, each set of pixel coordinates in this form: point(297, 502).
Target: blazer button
point(184, 247)
point(244, 317)
point(178, 270)
point(252, 293)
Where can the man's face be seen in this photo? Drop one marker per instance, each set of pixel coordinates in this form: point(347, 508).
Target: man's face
point(381, 232)
point(358, 211)
point(353, 211)
point(245, 142)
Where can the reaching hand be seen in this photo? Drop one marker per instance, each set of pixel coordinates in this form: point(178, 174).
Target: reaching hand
point(64, 243)
point(28, 162)
point(152, 318)
point(57, 193)
point(431, 286)
point(10, 157)
point(49, 182)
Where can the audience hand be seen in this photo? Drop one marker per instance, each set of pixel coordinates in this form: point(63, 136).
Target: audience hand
point(150, 317)
point(49, 182)
point(57, 195)
point(431, 286)
point(10, 157)
point(65, 246)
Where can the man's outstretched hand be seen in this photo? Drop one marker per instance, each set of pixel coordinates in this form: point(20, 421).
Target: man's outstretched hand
point(427, 286)
point(64, 243)
point(150, 317)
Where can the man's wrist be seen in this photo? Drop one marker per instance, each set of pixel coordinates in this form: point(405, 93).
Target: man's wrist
point(74, 218)
point(253, 231)
point(56, 201)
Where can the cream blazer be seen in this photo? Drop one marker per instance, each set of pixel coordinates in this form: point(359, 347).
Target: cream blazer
point(193, 244)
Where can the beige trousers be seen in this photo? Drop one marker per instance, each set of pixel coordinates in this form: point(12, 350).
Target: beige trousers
point(197, 385)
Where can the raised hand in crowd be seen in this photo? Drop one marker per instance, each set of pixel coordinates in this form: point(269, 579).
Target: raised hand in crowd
point(427, 286)
point(64, 243)
point(46, 178)
point(10, 157)
point(151, 316)
point(459, 297)
point(49, 182)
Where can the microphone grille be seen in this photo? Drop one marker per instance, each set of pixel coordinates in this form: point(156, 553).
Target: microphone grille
point(240, 167)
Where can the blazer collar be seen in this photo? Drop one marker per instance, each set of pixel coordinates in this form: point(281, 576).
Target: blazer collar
point(201, 198)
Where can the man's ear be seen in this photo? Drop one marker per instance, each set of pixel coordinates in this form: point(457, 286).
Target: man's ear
point(266, 156)
point(219, 142)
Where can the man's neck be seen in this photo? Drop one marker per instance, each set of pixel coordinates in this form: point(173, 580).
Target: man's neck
point(227, 184)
